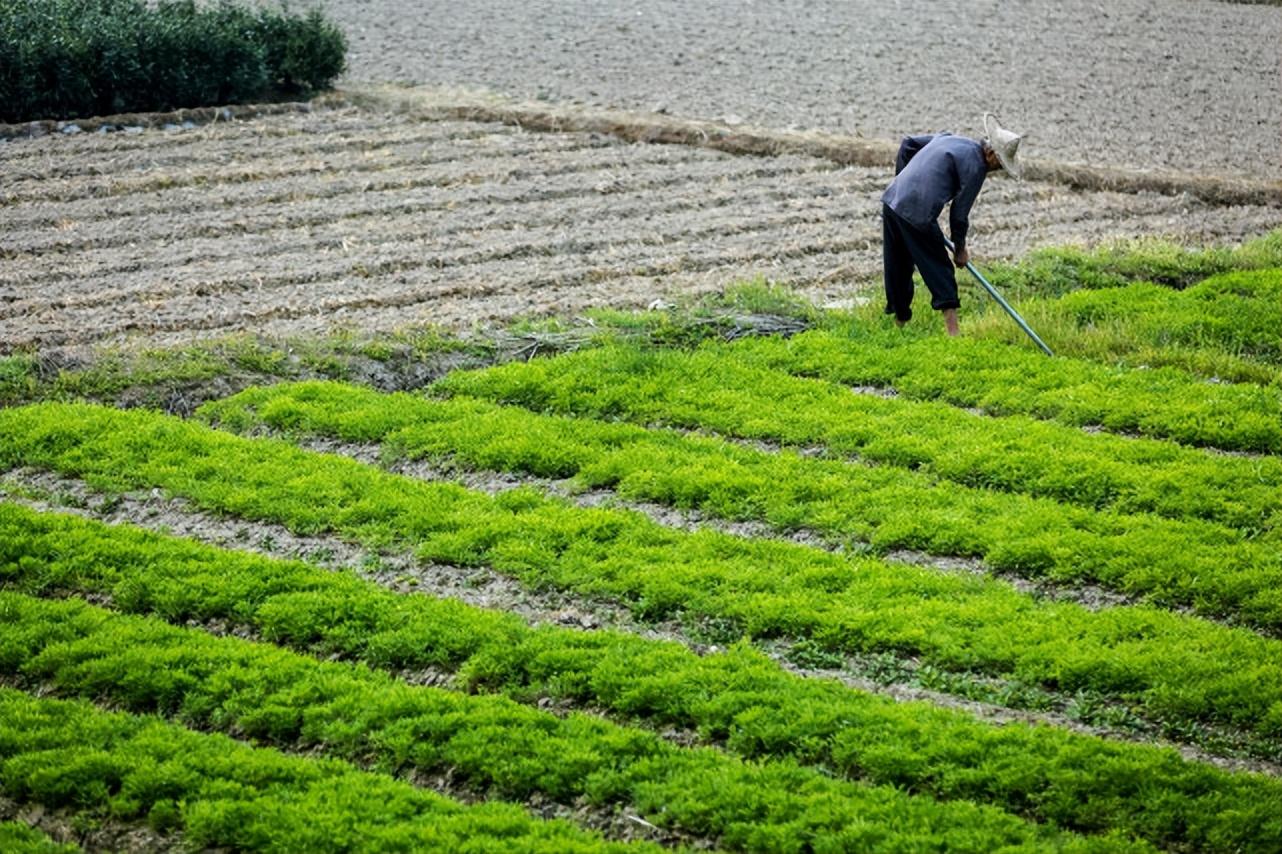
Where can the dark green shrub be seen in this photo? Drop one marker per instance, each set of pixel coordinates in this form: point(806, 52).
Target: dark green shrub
point(303, 53)
point(63, 58)
point(197, 57)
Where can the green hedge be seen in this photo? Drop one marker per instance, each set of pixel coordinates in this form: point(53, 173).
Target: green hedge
point(67, 58)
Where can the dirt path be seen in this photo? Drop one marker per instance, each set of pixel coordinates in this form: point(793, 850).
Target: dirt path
point(370, 219)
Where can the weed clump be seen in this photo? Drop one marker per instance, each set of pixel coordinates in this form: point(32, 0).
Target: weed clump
point(1056, 271)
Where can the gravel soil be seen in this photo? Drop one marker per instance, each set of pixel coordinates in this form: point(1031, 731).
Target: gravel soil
point(1191, 85)
point(372, 219)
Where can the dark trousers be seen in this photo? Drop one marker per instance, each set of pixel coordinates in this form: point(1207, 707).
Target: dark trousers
point(905, 246)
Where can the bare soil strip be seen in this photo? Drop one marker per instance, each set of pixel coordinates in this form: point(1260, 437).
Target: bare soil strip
point(339, 218)
point(554, 155)
point(439, 211)
point(449, 199)
point(103, 835)
point(371, 139)
point(410, 156)
point(485, 588)
point(449, 195)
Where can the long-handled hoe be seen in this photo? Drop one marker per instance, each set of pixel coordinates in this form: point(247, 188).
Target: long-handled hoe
point(1012, 312)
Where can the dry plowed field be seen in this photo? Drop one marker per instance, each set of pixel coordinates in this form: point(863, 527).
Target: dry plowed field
point(1190, 85)
point(373, 219)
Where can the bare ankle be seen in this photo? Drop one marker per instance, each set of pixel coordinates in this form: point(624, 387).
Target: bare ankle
point(950, 321)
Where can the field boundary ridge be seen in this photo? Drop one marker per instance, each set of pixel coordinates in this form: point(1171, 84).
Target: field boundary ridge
point(847, 150)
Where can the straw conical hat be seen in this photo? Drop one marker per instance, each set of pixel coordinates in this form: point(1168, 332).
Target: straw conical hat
point(1005, 143)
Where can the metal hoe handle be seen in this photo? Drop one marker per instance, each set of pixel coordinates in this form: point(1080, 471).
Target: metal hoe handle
point(1012, 312)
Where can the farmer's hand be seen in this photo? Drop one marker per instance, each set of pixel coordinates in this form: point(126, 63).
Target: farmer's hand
point(961, 257)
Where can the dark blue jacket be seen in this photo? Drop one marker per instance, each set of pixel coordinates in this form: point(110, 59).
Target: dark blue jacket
point(931, 171)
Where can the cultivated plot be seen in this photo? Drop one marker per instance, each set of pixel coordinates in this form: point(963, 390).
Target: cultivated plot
point(754, 596)
point(369, 220)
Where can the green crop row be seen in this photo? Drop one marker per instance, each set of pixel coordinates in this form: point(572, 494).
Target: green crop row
point(1167, 560)
point(1175, 668)
point(486, 742)
point(713, 388)
point(737, 698)
point(1181, 562)
point(1056, 270)
point(19, 838)
point(222, 794)
point(1236, 313)
point(1121, 475)
point(1001, 379)
point(1220, 328)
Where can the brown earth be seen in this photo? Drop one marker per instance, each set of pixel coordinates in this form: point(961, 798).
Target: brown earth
point(1193, 85)
point(374, 218)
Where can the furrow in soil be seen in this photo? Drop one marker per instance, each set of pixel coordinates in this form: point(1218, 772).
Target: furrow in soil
point(380, 248)
point(377, 138)
point(317, 199)
point(266, 180)
point(120, 256)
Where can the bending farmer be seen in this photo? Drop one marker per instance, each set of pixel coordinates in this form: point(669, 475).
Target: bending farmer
point(931, 171)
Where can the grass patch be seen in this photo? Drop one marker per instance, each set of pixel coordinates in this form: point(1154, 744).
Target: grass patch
point(19, 838)
point(1056, 271)
point(177, 380)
